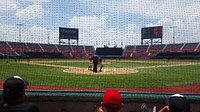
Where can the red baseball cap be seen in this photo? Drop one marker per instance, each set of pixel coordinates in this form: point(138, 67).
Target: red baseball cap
point(112, 99)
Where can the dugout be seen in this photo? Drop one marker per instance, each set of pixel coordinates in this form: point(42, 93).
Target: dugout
point(85, 101)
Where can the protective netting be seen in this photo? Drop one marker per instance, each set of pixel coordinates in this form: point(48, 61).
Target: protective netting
point(147, 46)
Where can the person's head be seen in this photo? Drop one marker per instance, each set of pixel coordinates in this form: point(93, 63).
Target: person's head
point(178, 103)
point(112, 100)
point(14, 90)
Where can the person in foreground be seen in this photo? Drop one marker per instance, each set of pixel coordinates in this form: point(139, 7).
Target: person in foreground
point(112, 101)
point(177, 103)
point(145, 108)
point(14, 97)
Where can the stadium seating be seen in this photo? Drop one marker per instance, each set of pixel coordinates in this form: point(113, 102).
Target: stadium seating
point(141, 49)
point(6, 49)
point(127, 53)
point(137, 52)
point(173, 47)
point(198, 48)
point(49, 48)
point(18, 48)
point(131, 51)
point(155, 49)
point(190, 47)
point(89, 49)
point(79, 52)
point(146, 52)
point(66, 50)
point(141, 56)
point(32, 47)
point(77, 48)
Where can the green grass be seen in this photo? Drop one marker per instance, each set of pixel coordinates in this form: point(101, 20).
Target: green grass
point(151, 77)
point(75, 64)
point(130, 64)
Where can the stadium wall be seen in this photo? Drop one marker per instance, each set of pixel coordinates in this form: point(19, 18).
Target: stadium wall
point(178, 55)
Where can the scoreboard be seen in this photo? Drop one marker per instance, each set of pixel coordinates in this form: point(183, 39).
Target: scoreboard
point(68, 33)
point(152, 32)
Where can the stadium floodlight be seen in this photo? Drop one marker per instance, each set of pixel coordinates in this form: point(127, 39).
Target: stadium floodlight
point(173, 33)
point(20, 31)
point(48, 35)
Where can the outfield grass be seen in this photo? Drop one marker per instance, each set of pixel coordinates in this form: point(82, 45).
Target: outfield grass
point(146, 77)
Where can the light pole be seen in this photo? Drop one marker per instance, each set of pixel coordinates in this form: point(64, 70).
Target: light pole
point(48, 35)
point(173, 32)
point(20, 31)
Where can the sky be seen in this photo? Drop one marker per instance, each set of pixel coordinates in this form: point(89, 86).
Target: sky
point(100, 22)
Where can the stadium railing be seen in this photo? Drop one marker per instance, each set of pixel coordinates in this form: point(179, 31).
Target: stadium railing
point(85, 101)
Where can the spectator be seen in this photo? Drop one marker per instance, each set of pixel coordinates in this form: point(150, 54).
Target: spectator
point(95, 62)
point(90, 62)
point(112, 102)
point(14, 97)
point(177, 103)
point(100, 64)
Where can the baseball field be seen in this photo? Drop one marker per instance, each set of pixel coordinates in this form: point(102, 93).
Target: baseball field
point(126, 75)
